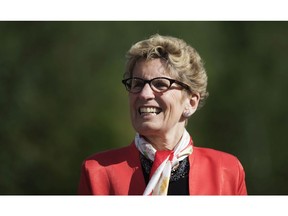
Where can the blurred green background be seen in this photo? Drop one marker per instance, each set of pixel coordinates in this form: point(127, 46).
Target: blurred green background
point(61, 98)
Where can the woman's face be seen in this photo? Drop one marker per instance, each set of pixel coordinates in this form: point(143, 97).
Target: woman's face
point(155, 113)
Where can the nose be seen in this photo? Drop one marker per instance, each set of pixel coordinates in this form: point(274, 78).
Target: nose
point(146, 92)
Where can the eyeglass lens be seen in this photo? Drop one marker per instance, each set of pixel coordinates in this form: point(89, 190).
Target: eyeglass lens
point(157, 84)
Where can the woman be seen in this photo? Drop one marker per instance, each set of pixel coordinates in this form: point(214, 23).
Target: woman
point(167, 83)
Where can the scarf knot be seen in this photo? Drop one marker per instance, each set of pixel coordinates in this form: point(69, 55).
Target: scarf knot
point(163, 162)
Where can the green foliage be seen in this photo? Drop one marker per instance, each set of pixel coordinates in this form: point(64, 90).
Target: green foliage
point(61, 98)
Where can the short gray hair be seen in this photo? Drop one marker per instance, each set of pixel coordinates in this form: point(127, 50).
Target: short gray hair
point(183, 61)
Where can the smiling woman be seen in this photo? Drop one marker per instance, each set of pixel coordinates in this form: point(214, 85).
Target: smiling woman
point(167, 83)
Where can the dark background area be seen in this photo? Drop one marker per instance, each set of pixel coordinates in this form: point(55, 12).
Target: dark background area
point(61, 97)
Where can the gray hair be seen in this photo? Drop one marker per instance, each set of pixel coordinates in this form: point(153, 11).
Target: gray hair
point(183, 61)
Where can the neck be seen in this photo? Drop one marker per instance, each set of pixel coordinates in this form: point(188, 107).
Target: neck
point(165, 141)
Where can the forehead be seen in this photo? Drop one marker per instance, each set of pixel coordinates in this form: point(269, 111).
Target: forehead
point(149, 69)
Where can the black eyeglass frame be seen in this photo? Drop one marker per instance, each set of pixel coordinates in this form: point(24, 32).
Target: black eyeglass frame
point(172, 81)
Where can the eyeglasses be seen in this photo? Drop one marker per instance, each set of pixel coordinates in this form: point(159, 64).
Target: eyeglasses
point(158, 84)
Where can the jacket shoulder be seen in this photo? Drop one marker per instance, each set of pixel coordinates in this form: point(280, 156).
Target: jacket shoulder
point(110, 172)
point(221, 172)
point(216, 157)
point(112, 156)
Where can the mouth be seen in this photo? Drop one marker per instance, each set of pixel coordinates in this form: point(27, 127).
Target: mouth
point(149, 110)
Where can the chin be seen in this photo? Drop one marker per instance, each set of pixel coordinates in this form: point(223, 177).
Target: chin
point(146, 129)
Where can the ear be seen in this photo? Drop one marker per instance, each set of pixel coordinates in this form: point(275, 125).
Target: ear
point(191, 106)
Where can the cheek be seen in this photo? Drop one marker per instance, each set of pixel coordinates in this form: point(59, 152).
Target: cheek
point(175, 105)
point(178, 112)
point(175, 111)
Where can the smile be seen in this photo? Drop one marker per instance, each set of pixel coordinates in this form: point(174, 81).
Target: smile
point(149, 110)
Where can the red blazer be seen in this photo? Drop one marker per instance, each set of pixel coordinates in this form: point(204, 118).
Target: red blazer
point(119, 172)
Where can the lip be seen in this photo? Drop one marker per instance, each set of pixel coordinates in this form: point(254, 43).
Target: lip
point(149, 110)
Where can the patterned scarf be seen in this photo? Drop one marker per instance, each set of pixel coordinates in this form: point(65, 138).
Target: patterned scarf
point(163, 162)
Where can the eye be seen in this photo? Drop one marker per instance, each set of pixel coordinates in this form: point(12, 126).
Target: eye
point(161, 84)
point(136, 83)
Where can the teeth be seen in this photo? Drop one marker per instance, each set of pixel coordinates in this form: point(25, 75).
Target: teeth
point(149, 110)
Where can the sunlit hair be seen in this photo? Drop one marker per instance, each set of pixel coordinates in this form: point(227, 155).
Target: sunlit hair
point(183, 61)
